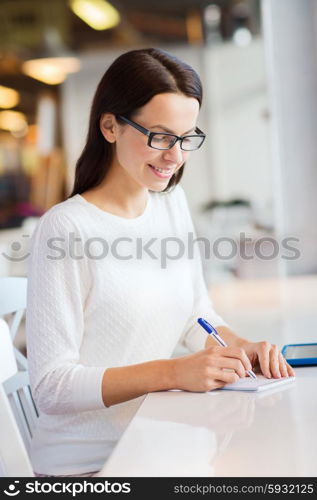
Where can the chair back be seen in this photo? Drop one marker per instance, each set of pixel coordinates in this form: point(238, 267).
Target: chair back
point(13, 303)
point(17, 387)
point(8, 366)
point(14, 460)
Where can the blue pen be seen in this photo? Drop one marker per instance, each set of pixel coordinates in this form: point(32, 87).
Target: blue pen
point(213, 332)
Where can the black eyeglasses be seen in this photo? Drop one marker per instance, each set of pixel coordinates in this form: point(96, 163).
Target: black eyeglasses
point(165, 140)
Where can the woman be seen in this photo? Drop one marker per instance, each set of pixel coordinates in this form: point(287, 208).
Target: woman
point(110, 294)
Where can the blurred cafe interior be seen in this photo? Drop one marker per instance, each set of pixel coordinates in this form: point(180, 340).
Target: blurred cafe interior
point(251, 188)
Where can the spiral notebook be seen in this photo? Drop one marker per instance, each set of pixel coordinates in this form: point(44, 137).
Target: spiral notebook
point(261, 383)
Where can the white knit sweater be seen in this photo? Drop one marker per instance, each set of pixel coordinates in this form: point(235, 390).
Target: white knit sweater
point(100, 295)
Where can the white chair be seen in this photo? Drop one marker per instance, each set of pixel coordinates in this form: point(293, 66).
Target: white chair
point(14, 460)
point(17, 387)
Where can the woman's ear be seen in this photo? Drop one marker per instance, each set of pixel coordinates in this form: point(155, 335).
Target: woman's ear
point(108, 127)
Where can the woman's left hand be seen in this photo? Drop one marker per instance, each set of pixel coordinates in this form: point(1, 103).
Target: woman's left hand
point(267, 358)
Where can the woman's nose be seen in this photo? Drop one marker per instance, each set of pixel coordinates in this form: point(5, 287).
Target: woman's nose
point(175, 154)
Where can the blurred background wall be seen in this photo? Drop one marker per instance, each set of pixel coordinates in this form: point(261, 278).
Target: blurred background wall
point(255, 178)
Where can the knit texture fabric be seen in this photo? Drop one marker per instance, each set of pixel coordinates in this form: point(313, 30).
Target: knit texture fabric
point(105, 291)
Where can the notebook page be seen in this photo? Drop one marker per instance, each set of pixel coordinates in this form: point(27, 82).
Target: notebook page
point(261, 383)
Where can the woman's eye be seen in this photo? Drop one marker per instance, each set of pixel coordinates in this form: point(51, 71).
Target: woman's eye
point(160, 138)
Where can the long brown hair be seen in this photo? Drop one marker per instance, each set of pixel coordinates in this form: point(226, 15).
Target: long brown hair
point(128, 84)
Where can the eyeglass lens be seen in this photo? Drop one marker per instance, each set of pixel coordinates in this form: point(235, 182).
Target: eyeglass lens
point(188, 143)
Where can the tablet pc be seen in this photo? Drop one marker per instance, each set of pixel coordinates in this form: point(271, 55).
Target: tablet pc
point(300, 354)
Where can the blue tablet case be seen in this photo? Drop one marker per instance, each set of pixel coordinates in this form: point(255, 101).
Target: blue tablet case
point(299, 361)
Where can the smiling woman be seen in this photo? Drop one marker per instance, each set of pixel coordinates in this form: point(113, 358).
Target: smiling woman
point(130, 83)
point(135, 154)
point(102, 327)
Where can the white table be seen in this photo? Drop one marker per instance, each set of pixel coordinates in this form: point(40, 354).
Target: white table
point(222, 433)
point(225, 434)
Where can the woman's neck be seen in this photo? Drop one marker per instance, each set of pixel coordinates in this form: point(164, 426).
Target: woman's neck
point(118, 199)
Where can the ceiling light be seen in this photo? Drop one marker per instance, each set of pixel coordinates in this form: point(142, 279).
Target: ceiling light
point(13, 121)
point(242, 37)
point(53, 62)
point(8, 97)
point(51, 70)
point(212, 15)
point(98, 14)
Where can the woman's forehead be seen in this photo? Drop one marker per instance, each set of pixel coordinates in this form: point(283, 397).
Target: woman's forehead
point(169, 109)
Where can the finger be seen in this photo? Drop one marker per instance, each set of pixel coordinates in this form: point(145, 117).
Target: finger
point(290, 371)
point(274, 362)
point(230, 363)
point(212, 382)
point(238, 353)
point(217, 384)
point(263, 353)
point(283, 368)
point(225, 376)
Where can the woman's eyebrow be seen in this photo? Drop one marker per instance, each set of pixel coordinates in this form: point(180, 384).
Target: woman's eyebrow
point(171, 131)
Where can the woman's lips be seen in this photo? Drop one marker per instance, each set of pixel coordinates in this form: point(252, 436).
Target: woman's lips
point(162, 173)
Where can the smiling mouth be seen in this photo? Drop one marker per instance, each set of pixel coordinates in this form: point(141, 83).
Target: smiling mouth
point(163, 172)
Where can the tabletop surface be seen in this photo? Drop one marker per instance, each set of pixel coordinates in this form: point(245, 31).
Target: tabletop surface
point(223, 433)
point(235, 434)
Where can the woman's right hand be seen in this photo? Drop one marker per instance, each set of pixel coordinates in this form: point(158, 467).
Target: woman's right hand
point(210, 368)
point(203, 371)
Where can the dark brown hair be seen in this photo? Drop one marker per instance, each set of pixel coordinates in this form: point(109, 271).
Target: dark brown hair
point(128, 84)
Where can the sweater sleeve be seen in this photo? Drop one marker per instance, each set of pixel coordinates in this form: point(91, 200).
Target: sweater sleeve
point(194, 337)
point(58, 283)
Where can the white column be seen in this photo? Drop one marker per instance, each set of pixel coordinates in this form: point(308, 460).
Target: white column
point(290, 43)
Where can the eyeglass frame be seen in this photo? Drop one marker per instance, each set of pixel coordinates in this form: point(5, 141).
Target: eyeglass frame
point(150, 135)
